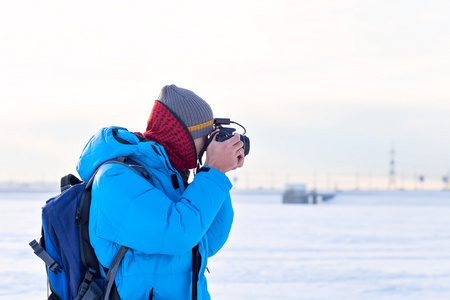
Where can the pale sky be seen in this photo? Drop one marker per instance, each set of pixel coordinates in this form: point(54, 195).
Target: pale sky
point(324, 88)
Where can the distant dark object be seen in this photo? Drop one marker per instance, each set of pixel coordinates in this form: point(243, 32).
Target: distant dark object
point(296, 193)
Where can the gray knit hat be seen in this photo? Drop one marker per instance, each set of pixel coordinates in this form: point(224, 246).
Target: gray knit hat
point(189, 108)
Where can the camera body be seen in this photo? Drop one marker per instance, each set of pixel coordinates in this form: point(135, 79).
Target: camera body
point(226, 133)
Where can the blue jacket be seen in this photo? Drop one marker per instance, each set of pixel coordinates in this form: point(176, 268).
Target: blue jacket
point(159, 223)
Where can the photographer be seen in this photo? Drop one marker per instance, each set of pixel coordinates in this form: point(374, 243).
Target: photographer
point(170, 226)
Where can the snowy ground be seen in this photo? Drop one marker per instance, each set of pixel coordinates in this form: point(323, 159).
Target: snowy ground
point(359, 245)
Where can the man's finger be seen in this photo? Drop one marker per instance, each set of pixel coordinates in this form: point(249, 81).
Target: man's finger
point(240, 161)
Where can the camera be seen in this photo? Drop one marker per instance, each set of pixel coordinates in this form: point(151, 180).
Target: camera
point(226, 133)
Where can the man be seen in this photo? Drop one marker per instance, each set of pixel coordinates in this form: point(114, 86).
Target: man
point(161, 223)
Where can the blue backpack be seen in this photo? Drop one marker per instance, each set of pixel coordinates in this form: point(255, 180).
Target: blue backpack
point(72, 267)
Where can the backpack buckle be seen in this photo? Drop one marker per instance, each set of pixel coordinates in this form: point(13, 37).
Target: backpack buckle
point(42, 254)
point(89, 289)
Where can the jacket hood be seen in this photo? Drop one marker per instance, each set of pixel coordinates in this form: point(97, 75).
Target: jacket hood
point(103, 146)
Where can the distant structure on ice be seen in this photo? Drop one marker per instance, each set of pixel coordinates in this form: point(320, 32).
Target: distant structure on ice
point(297, 193)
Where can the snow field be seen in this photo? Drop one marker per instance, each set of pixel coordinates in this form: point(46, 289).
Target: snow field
point(357, 246)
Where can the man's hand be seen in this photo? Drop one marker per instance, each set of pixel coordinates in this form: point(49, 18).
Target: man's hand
point(227, 155)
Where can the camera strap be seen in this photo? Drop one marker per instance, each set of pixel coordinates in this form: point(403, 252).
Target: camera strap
point(200, 155)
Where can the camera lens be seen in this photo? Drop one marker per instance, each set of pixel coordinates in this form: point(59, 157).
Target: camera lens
point(246, 146)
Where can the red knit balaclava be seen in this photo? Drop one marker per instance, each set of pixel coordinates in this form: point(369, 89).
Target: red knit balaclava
point(178, 117)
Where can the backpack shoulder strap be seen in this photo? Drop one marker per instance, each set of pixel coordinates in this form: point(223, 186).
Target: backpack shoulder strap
point(128, 162)
point(137, 167)
point(68, 181)
point(111, 275)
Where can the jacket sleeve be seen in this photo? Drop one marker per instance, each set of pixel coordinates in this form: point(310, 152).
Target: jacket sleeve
point(219, 231)
point(131, 212)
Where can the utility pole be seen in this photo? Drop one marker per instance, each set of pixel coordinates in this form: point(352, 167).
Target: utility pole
point(391, 184)
point(273, 180)
point(446, 180)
